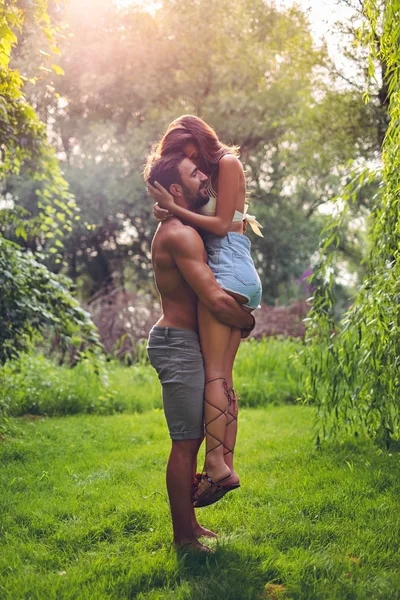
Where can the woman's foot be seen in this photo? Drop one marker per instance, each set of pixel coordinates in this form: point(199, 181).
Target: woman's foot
point(217, 471)
point(224, 476)
point(209, 491)
point(233, 480)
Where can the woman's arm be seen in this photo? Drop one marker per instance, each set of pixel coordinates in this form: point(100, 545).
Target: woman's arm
point(228, 187)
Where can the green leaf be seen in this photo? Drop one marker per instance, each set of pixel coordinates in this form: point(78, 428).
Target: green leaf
point(58, 70)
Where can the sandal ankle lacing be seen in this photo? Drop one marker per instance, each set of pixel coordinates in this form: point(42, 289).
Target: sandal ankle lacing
point(233, 397)
point(222, 413)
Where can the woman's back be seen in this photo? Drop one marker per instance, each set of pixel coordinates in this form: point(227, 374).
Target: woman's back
point(237, 182)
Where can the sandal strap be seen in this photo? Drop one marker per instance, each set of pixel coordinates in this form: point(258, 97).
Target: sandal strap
point(233, 398)
point(222, 413)
point(219, 442)
point(213, 487)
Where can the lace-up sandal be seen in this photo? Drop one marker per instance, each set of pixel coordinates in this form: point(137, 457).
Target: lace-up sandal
point(206, 491)
point(209, 491)
point(216, 491)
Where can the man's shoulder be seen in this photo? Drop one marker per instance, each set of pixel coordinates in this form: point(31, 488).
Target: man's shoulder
point(178, 236)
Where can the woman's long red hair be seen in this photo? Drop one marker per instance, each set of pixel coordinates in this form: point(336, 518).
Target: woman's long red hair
point(189, 129)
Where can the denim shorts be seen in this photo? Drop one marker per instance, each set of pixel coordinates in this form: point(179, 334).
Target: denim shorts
point(176, 356)
point(230, 260)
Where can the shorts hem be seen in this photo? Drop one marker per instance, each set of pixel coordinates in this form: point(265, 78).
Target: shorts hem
point(247, 298)
point(249, 303)
point(194, 434)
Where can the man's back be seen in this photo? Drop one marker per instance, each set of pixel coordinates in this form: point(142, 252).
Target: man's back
point(178, 300)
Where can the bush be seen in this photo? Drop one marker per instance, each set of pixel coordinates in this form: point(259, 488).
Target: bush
point(35, 385)
point(32, 298)
point(268, 371)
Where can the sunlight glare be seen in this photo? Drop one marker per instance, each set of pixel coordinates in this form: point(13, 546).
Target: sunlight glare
point(150, 6)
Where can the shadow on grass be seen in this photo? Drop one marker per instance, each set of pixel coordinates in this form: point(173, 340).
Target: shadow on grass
point(337, 450)
point(229, 574)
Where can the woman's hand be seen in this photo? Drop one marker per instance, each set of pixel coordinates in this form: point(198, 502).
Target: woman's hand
point(160, 213)
point(162, 196)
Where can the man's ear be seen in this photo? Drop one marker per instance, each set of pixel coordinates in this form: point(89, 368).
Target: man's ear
point(175, 189)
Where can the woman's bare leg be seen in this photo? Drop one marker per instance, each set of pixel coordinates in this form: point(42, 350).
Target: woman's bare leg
point(232, 414)
point(214, 338)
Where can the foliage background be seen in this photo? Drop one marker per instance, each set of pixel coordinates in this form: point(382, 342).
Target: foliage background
point(85, 94)
point(254, 72)
point(32, 297)
point(354, 375)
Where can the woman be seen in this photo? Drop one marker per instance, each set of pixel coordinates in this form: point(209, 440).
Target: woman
point(221, 222)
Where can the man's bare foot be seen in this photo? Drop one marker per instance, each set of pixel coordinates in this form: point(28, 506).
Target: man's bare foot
point(200, 531)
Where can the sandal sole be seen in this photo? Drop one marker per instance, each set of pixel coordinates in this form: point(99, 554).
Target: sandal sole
point(218, 495)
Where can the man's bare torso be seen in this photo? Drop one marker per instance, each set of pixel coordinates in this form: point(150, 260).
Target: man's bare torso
point(178, 300)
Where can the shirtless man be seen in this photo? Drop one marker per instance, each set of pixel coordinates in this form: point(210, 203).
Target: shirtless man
point(182, 276)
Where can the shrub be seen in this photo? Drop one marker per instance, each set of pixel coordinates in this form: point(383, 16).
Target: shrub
point(35, 385)
point(268, 371)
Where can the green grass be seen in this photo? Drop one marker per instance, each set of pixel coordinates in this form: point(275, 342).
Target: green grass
point(85, 514)
point(266, 372)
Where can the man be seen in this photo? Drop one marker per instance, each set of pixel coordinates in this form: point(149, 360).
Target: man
point(182, 276)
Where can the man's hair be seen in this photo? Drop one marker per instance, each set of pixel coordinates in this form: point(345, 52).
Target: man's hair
point(164, 169)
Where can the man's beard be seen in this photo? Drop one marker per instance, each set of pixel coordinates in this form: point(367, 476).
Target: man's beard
point(194, 201)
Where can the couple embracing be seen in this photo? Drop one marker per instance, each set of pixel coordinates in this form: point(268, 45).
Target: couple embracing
point(208, 288)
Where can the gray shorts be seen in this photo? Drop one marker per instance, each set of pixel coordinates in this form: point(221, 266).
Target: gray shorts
point(176, 356)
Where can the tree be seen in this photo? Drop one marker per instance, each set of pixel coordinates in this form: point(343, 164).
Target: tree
point(354, 375)
point(127, 76)
point(30, 295)
point(254, 73)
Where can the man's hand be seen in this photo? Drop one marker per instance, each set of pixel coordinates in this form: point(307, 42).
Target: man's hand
point(245, 332)
point(187, 249)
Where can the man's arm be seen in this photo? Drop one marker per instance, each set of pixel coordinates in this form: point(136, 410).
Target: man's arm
point(187, 249)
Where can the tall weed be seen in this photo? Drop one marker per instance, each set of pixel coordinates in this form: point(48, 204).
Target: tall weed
point(269, 371)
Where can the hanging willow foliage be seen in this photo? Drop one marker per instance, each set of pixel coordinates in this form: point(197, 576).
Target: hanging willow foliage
point(354, 370)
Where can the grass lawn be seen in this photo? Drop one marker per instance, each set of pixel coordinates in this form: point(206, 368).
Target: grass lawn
point(85, 514)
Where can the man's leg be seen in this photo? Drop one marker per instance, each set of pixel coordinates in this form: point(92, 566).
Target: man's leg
point(198, 529)
point(179, 485)
point(176, 356)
